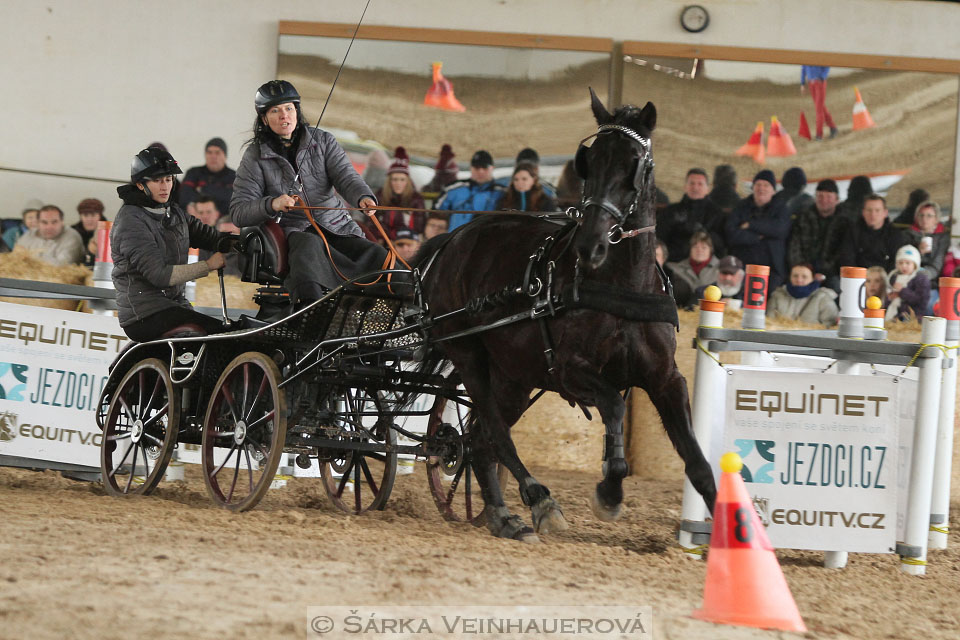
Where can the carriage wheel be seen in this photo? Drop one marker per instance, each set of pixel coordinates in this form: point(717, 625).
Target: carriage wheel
point(453, 482)
point(140, 430)
point(243, 432)
point(358, 481)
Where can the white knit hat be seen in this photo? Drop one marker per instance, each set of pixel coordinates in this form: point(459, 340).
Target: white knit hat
point(909, 252)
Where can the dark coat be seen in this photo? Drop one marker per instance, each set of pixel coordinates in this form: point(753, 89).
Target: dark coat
point(200, 181)
point(915, 295)
point(677, 223)
point(816, 240)
point(865, 247)
point(764, 241)
point(145, 243)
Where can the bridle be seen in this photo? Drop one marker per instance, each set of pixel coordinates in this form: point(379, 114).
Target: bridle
point(641, 180)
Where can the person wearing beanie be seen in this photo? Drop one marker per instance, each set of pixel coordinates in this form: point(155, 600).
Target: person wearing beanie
point(479, 193)
point(525, 192)
point(804, 299)
point(399, 191)
point(214, 178)
point(676, 223)
point(792, 195)
point(909, 292)
point(375, 174)
point(91, 213)
point(758, 227)
point(860, 187)
point(815, 236)
point(871, 239)
point(724, 193)
point(445, 171)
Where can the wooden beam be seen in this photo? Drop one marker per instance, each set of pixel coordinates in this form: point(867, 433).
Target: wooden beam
point(446, 36)
point(786, 56)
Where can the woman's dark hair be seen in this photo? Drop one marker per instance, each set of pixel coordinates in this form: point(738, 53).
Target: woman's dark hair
point(263, 133)
point(511, 199)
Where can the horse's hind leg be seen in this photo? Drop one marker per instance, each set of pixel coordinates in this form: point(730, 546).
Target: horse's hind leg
point(672, 402)
point(500, 521)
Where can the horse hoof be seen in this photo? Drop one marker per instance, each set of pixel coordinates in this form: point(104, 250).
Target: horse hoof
point(514, 528)
point(602, 511)
point(548, 517)
point(527, 536)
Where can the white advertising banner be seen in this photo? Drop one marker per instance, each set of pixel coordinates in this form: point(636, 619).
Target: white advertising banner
point(53, 365)
point(820, 456)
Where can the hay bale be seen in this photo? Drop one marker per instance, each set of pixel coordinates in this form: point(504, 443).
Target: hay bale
point(24, 265)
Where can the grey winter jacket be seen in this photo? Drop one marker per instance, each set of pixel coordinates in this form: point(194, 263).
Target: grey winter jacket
point(264, 174)
point(145, 245)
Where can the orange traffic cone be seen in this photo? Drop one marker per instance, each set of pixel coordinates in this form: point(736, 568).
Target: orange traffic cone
point(804, 131)
point(440, 94)
point(754, 146)
point(861, 117)
point(779, 144)
point(745, 585)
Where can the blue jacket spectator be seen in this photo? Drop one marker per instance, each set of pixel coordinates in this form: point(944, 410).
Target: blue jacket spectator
point(757, 229)
point(480, 193)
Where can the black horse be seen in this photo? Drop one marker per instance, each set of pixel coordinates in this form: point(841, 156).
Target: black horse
point(588, 356)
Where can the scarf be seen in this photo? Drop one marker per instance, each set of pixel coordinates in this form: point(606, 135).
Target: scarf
point(804, 291)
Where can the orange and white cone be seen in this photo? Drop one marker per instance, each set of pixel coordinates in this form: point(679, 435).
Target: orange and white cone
point(804, 131)
point(779, 144)
point(744, 585)
point(861, 117)
point(440, 94)
point(754, 146)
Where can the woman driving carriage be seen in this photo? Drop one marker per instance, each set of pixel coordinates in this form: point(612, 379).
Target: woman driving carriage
point(286, 157)
point(149, 243)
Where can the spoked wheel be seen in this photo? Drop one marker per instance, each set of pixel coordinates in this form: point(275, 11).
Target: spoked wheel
point(358, 480)
point(243, 432)
point(140, 430)
point(452, 479)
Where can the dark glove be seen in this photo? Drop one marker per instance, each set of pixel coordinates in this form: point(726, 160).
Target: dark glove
point(227, 243)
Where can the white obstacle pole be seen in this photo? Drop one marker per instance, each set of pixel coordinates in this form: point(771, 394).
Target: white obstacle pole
point(913, 559)
point(102, 267)
point(949, 309)
point(755, 289)
point(852, 282)
point(706, 382)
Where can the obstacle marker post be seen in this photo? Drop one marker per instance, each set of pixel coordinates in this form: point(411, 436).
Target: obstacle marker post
point(102, 267)
point(949, 309)
point(852, 291)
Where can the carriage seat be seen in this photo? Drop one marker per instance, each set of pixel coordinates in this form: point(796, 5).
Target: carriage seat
point(187, 330)
point(263, 254)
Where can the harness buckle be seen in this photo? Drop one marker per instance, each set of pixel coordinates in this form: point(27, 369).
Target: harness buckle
point(616, 231)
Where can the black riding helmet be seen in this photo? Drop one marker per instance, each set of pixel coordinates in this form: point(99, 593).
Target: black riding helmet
point(152, 163)
point(273, 93)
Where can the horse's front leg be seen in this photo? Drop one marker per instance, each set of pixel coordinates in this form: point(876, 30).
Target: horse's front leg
point(607, 500)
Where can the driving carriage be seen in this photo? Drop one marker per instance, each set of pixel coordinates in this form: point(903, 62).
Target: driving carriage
point(504, 306)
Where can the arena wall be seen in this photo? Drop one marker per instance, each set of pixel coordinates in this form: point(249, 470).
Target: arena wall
point(90, 82)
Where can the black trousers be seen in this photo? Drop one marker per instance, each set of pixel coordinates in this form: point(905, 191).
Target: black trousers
point(154, 326)
point(311, 275)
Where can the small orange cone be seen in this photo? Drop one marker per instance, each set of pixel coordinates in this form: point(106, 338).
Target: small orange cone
point(861, 117)
point(440, 94)
point(779, 144)
point(744, 585)
point(754, 146)
point(804, 131)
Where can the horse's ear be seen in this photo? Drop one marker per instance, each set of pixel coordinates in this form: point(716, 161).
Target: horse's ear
point(599, 111)
point(648, 116)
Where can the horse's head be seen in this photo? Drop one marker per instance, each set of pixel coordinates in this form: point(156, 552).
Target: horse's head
point(618, 179)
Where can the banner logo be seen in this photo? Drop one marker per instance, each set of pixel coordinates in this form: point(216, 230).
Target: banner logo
point(8, 426)
point(13, 381)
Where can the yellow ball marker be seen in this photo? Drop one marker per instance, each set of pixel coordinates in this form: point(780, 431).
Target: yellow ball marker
point(873, 302)
point(712, 293)
point(730, 462)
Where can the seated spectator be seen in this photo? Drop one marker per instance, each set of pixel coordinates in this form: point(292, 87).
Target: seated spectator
point(871, 240)
point(951, 263)
point(758, 227)
point(792, 195)
point(437, 224)
point(804, 299)
point(682, 292)
point(214, 178)
point(569, 187)
point(529, 156)
point(445, 171)
point(407, 244)
point(908, 214)
point(909, 292)
point(28, 222)
point(730, 277)
point(700, 267)
point(677, 222)
point(816, 234)
point(205, 209)
point(375, 175)
point(857, 193)
point(400, 192)
point(724, 193)
point(930, 236)
point(479, 193)
point(876, 285)
point(51, 240)
point(525, 192)
point(91, 213)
